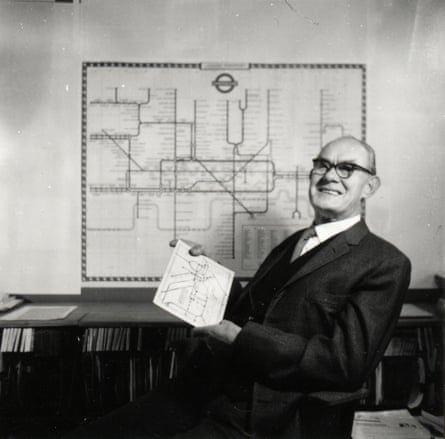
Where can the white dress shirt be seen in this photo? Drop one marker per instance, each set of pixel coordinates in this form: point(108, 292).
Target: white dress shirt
point(328, 230)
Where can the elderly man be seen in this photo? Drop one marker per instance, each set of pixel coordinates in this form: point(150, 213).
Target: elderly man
point(314, 320)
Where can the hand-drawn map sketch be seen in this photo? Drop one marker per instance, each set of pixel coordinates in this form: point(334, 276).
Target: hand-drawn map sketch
point(215, 154)
point(194, 288)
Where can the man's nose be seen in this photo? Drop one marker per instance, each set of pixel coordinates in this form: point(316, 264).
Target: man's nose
point(331, 174)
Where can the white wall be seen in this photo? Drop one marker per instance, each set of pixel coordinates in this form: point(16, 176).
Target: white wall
point(42, 45)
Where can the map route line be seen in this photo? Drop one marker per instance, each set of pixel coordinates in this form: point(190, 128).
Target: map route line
point(242, 110)
point(252, 158)
point(161, 227)
point(234, 173)
point(175, 156)
point(116, 100)
point(123, 150)
point(134, 216)
point(267, 111)
point(222, 185)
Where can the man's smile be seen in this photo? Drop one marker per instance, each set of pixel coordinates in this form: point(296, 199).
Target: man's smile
point(329, 190)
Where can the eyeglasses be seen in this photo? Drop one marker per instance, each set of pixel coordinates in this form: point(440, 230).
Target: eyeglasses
point(343, 169)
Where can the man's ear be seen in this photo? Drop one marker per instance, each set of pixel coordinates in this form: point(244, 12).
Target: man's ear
point(371, 187)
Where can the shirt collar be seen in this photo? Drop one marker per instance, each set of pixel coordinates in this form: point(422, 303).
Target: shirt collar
point(328, 230)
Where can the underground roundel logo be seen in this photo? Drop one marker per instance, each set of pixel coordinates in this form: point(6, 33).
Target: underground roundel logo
point(224, 83)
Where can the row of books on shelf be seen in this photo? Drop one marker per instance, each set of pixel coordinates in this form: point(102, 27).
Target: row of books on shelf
point(131, 339)
point(106, 339)
point(50, 340)
point(17, 340)
point(412, 341)
point(409, 375)
point(113, 380)
point(107, 379)
point(403, 345)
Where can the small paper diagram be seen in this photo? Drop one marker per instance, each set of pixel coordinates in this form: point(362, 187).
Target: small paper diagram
point(194, 288)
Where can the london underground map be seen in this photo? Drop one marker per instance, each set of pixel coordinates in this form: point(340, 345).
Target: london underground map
point(194, 288)
point(215, 154)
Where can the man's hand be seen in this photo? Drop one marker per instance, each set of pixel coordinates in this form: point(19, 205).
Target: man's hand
point(225, 331)
point(195, 250)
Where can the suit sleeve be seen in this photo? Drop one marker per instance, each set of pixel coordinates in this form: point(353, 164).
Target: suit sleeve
point(340, 359)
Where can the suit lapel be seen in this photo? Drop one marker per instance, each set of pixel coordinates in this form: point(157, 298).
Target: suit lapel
point(291, 241)
point(338, 246)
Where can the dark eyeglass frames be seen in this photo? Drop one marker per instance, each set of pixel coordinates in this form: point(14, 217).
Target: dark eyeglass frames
point(343, 169)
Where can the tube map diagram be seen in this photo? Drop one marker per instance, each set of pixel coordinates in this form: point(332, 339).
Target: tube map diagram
point(217, 154)
point(194, 288)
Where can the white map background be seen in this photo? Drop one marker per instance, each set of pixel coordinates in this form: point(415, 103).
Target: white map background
point(215, 154)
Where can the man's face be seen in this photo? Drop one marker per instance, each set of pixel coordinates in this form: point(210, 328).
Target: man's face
point(334, 198)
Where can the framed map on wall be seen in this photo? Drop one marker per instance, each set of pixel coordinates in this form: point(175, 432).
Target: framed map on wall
point(216, 154)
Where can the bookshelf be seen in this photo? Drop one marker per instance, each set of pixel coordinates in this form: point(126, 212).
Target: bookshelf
point(120, 364)
point(410, 374)
point(409, 379)
point(106, 352)
point(406, 391)
point(115, 346)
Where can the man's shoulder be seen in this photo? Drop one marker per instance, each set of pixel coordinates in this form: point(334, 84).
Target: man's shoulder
point(379, 245)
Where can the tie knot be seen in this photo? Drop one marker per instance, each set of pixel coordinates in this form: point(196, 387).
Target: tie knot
point(309, 233)
point(301, 244)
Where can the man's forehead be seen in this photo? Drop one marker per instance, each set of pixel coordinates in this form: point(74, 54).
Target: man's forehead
point(345, 150)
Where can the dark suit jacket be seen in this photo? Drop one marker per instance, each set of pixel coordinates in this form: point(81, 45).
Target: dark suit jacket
point(325, 329)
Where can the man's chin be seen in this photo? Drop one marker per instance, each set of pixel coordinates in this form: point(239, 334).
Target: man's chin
point(328, 204)
point(326, 212)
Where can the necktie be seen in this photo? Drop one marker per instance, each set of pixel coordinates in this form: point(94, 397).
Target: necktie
point(304, 238)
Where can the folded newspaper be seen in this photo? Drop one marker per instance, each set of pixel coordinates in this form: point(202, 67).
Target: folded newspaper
point(388, 424)
point(194, 288)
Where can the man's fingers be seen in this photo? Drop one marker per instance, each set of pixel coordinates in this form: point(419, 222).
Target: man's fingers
point(195, 249)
